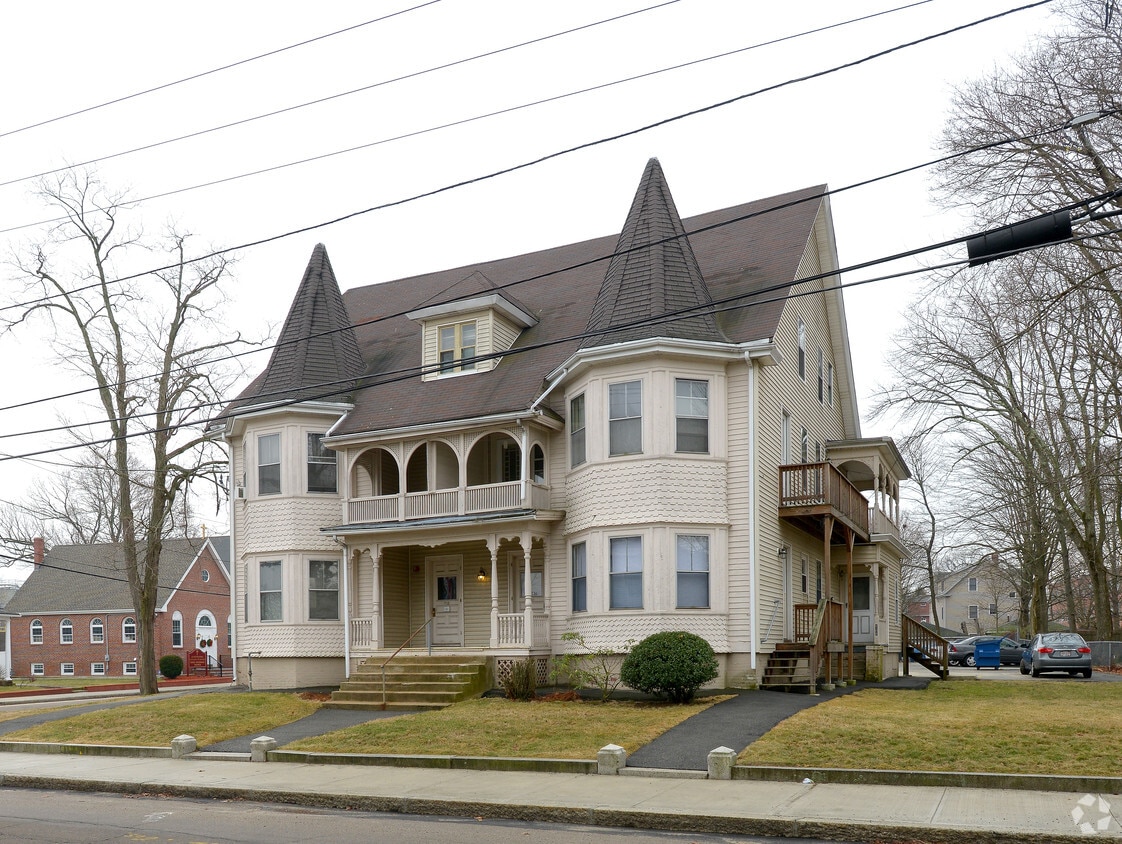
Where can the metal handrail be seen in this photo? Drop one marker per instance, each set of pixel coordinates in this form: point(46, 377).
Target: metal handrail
point(774, 610)
point(404, 645)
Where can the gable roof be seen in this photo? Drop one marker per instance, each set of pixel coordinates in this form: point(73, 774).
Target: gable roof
point(91, 578)
point(316, 348)
point(736, 251)
point(653, 272)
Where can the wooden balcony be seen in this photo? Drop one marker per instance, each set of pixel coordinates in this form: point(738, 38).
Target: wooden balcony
point(460, 501)
point(810, 491)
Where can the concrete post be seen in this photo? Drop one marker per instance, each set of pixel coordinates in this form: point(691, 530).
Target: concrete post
point(719, 763)
point(259, 748)
point(610, 759)
point(182, 746)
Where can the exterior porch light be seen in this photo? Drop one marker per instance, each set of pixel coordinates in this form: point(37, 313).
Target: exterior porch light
point(482, 576)
point(782, 554)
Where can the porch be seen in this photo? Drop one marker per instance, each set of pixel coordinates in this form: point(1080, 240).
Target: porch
point(457, 501)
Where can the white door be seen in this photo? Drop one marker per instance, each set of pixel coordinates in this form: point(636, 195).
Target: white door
point(862, 608)
point(446, 583)
point(206, 637)
point(788, 600)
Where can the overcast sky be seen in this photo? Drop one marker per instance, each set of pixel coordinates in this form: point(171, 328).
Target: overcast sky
point(839, 129)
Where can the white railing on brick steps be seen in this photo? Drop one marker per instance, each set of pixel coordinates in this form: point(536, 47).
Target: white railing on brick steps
point(362, 632)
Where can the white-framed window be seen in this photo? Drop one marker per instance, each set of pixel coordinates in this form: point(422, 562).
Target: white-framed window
point(626, 573)
point(805, 576)
point(177, 630)
point(625, 418)
point(36, 632)
point(269, 464)
point(691, 411)
point(66, 669)
point(972, 584)
point(129, 669)
point(804, 446)
point(817, 581)
point(457, 347)
point(37, 669)
point(97, 669)
point(693, 571)
point(128, 630)
point(323, 466)
point(229, 633)
point(537, 464)
point(270, 591)
point(993, 609)
point(821, 376)
point(785, 437)
point(580, 577)
point(576, 431)
point(97, 631)
point(323, 589)
point(204, 575)
point(972, 611)
point(830, 383)
point(802, 350)
point(66, 632)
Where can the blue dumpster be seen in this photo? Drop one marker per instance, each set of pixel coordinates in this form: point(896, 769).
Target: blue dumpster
point(987, 653)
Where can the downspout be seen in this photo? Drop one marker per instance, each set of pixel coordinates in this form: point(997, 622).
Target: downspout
point(560, 377)
point(346, 605)
point(753, 540)
point(231, 504)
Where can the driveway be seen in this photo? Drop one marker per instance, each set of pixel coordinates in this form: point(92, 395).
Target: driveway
point(1012, 672)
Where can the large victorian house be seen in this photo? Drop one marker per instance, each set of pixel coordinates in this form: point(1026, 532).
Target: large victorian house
point(645, 432)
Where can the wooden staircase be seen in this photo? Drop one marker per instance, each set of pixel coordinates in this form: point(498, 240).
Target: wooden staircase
point(413, 682)
point(788, 669)
point(924, 646)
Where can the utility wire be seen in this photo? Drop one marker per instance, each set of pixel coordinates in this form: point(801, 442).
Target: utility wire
point(320, 100)
point(485, 116)
point(87, 573)
point(214, 70)
point(533, 162)
point(333, 389)
point(363, 323)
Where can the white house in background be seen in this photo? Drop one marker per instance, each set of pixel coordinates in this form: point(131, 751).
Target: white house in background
point(651, 431)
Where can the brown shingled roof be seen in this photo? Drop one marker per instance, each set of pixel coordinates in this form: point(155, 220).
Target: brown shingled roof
point(560, 286)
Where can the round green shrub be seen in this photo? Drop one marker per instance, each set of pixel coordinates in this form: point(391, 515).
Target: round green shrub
point(672, 665)
point(171, 666)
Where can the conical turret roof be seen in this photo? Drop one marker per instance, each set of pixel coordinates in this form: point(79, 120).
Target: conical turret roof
point(652, 274)
point(317, 349)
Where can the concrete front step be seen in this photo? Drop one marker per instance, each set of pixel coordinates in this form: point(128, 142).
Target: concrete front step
point(412, 682)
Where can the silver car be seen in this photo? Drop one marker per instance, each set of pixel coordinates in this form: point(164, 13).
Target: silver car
point(1057, 652)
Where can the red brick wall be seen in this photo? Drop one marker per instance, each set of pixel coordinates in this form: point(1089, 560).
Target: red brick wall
point(192, 597)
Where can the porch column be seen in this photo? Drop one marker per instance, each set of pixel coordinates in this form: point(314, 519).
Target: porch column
point(528, 611)
point(849, 609)
point(376, 592)
point(493, 548)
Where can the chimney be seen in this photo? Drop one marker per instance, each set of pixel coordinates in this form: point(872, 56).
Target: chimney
point(37, 544)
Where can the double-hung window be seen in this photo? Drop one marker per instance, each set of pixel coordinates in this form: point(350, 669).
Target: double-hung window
point(691, 410)
point(625, 418)
point(322, 466)
point(177, 630)
point(36, 632)
point(128, 630)
point(323, 589)
point(802, 350)
point(97, 631)
point(270, 591)
point(576, 431)
point(693, 572)
point(580, 577)
point(268, 464)
point(457, 347)
point(66, 632)
point(626, 574)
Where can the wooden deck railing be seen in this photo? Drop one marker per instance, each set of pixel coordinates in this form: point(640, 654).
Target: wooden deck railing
point(816, 484)
point(818, 625)
point(925, 646)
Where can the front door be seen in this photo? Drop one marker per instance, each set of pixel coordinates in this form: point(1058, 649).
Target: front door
point(206, 637)
point(862, 608)
point(446, 582)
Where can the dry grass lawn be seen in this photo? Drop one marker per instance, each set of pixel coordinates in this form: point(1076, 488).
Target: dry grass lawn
point(1048, 726)
point(210, 718)
point(499, 727)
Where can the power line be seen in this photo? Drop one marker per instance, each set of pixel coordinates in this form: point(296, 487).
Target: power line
point(320, 100)
point(487, 115)
point(237, 355)
point(214, 70)
point(540, 160)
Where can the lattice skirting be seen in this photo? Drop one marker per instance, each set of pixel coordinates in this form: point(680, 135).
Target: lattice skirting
point(503, 667)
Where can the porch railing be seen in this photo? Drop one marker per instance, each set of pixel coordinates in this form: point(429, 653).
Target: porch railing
point(809, 621)
point(512, 629)
point(446, 502)
point(362, 632)
point(925, 646)
point(814, 484)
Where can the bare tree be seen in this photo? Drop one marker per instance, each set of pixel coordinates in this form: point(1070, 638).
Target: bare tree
point(143, 342)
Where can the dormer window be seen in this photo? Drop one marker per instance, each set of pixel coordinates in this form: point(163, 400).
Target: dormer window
point(457, 347)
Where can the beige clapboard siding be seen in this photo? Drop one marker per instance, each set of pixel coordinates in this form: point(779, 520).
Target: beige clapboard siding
point(741, 532)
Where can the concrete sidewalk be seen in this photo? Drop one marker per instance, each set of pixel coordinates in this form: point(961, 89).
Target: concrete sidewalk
point(637, 799)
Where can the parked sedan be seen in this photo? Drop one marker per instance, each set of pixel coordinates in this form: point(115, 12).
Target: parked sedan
point(962, 651)
point(1057, 652)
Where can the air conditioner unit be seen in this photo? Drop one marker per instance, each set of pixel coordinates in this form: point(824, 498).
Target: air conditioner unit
point(239, 492)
